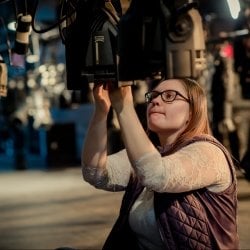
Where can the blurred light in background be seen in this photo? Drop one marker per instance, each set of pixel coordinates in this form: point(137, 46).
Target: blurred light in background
point(234, 7)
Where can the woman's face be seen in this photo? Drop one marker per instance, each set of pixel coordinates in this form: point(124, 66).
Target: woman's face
point(168, 119)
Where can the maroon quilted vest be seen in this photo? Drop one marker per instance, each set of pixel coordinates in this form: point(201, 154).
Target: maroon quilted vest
point(197, 219)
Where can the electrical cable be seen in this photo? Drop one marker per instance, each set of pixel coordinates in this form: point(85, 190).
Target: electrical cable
point(62, 19)
point(68, 18)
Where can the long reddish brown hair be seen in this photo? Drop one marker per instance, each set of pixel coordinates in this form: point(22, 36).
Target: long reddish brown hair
point(199, 121)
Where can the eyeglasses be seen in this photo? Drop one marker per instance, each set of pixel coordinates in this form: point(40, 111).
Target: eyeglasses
point(166, 95)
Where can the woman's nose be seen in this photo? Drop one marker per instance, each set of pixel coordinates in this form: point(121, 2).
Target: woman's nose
point(156, 100)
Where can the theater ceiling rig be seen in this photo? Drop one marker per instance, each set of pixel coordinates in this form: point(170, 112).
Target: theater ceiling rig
point(153, 37)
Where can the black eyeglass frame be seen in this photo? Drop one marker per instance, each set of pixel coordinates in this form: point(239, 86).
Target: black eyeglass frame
point(157, 93)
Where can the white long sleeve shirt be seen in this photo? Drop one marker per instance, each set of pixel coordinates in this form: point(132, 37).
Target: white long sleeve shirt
point(200, 164)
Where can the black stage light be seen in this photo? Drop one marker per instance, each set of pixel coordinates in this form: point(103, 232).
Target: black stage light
point(163, 37)
point(90, 44)
point(154, 37)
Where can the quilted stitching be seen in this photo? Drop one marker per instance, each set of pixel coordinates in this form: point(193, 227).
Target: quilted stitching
point(187, 222)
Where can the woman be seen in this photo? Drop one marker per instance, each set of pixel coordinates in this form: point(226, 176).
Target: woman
point(179, 194)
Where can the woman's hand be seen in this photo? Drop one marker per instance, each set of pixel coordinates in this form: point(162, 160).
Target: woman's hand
point(101, 97)
point(120, 97)
point(108, 94)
